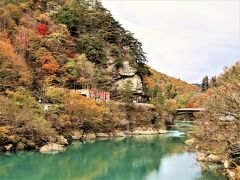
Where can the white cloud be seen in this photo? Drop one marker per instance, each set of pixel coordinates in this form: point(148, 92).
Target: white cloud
point(184, 39)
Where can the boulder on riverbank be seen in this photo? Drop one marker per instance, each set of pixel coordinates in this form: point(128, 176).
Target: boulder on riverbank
point(232, 174)
point(228, 164)
point(214, 159)
point(77, 135)
point(190, 142)
point(162, 131)
point(119, 134)
point(148, 131)
point(51, 148)
point(102, 135)
point(201, 157)
point(62, 141)
point(89, 136)
point(8, 147)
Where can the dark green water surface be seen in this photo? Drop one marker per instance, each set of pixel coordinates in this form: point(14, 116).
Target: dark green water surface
point(160, 157)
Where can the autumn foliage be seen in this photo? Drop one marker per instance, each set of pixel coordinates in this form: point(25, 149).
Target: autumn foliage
point(71, 54)
point(13, 69)
point(21, 119)
point(42, 29)
point(220, 124)
point(49, 63)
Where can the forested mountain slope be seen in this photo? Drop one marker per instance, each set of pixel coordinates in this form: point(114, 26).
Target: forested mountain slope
point(50, 48)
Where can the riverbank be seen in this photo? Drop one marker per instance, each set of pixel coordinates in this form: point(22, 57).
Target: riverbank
point(141, 157)
point(217, 163)
point(208, 160)
point(61, 141)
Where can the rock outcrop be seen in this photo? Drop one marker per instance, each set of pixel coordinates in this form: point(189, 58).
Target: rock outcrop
point(51, 148)
point(136, 83)
point(125, 74)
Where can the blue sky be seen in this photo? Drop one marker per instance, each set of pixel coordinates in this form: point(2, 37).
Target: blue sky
point(184, 39)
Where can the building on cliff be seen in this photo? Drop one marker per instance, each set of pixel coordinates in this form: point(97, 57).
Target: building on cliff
point(97, 95)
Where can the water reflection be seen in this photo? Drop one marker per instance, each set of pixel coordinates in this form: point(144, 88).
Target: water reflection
point(143, 157)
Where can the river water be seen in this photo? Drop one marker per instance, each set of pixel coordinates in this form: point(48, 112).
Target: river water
point(158, 157)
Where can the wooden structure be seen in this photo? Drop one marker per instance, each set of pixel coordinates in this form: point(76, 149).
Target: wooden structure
point(97, 95)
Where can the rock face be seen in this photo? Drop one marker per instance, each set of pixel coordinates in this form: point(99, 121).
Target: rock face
point(51, 147)
point(127, 70)
point(126, 74)
point(136, 83)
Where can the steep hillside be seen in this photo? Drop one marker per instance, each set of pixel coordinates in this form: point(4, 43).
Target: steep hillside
point(71, 44)
point(52, 49)
point(163, 80)
point(169, 91)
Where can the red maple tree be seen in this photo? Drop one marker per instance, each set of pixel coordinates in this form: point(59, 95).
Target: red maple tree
point(42, 29)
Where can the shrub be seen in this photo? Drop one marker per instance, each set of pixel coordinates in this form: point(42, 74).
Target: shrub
point(118, 63)
point(143, 70)
point(82, 112)
point(49, 63)
point(55, 94)
point(15, 12)
point(220, 124)
point(184, 99)
point(22, 118)
point(42, 29)
point(115, 51)
point(171, 105)
point(50, 68)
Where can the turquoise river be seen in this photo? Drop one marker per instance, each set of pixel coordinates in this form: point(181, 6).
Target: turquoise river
point(158, 157)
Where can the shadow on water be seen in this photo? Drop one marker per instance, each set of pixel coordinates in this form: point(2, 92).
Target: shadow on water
point(143, 157)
